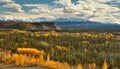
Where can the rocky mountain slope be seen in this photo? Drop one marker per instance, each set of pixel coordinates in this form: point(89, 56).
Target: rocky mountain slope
point(29, 25)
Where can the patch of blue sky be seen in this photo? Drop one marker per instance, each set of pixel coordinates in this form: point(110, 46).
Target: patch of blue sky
point(114, 3)
point(33, 1)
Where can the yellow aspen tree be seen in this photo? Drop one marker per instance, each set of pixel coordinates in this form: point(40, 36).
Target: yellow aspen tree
point(9, 58)
point(94, 66)
point(48, 58)
point(16, 58)
point(34, 61)
point(105, 66)
point(41, 59)
point(21, 59)
point(26, 59)
point(3, 57)
point(66, 66)
point(79, 66)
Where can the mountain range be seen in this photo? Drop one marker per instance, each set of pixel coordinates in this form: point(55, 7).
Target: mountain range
point(60, 24)
point(88, 25)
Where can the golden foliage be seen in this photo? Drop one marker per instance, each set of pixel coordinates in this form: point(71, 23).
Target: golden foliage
point(18, 31)
point(62, 48)
point(90, 66)
point(16, 59)
point(79, 66)
point(94, 66)
point(30, 51)
point(105, 66)
point(40, 59)
point(77, 34)
point(46, 34)
point(51, 33)
point(23, 59)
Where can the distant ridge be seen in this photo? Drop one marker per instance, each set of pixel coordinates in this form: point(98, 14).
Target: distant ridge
point(29, 25)
point(88, 25)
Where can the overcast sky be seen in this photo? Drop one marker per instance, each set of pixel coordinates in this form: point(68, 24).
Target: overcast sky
point(38, 10)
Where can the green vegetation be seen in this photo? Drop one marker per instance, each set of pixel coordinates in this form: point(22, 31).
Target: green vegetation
point(71, 47)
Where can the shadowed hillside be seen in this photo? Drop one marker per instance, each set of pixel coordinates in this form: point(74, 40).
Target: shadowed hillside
point(30, 25)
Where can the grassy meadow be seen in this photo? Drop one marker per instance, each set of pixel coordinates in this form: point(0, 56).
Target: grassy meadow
point(60, 49)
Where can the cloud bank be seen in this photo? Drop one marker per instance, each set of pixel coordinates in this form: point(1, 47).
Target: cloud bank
point(16, 7)
point(93, 10)
point(3, 1)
